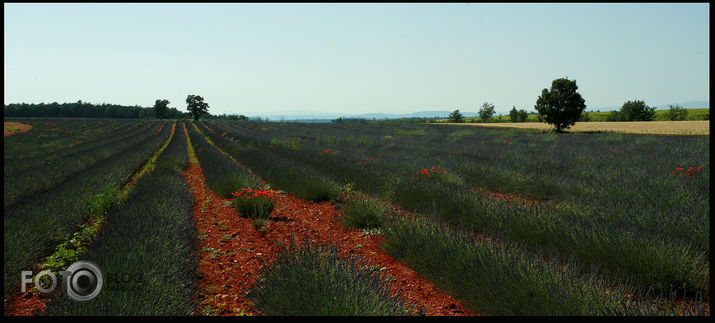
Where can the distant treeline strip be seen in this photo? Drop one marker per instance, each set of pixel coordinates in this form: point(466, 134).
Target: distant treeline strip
point(81, 109)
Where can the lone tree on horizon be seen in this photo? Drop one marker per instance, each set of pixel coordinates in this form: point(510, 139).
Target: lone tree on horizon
point(562, 105)
point(160, 108)
point(486, 111)
point(196, 106)
point(455, 116)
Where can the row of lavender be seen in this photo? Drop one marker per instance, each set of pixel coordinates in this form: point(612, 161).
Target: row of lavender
point(610, 202)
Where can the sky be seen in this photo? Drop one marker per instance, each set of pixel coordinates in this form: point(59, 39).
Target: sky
point(257, 59)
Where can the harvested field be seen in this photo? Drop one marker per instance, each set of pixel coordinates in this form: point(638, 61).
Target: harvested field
point(641, 127)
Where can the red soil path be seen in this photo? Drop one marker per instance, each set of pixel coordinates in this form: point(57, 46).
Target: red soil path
point(229, 273)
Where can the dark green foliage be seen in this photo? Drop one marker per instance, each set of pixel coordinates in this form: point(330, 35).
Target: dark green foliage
point(151, 237)
point(562, 105)
point(637, 111)
point(310, 280)
point(502, 279)
point(676, 113)
point(585, 117)
point(84, 110)
point(363, 212)
point(455, 116)
point(486, 111)
point(160, 108)
point(518, 115)
point(196, 106)
point(615, 115)
point(35, 227)
point(223, 175)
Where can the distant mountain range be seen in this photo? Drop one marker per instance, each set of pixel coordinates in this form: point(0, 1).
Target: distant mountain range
point(324, 117)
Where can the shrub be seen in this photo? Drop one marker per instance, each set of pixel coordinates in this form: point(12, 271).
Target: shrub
point(257, 204)
point(637, 111)
point(318, 190)
point(229, 183)
point(518, 116)
point(455, 116)
point(522, 115)
point(513, 114)
point(364, 213)
point(316, 281)
point(676, 113)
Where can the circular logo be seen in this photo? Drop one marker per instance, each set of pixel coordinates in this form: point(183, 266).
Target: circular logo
point(85, 281)
point(38, 279)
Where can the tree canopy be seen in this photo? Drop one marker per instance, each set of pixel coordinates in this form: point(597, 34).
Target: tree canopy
point(518, 115)
point(456, 116)
point(562, 105)
point(196, 106)
point(82, 109)
point(486, 111)
point(160, 108)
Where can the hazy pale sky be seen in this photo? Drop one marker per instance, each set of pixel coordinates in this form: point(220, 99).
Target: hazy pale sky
point(254, 59)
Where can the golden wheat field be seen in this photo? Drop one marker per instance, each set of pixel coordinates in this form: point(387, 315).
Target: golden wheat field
point(644, 127)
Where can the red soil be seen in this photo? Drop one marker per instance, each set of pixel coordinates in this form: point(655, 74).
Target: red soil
point(232, 271)
point(23, 128)
point(26, 304)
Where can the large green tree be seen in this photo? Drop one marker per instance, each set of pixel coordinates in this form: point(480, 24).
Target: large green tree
point(560, 106)
point(161, 106)
point(196, 105)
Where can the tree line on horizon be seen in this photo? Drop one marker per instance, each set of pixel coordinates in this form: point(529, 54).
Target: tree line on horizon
point(560, 106)
point(81, 109)
point(195, 105)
